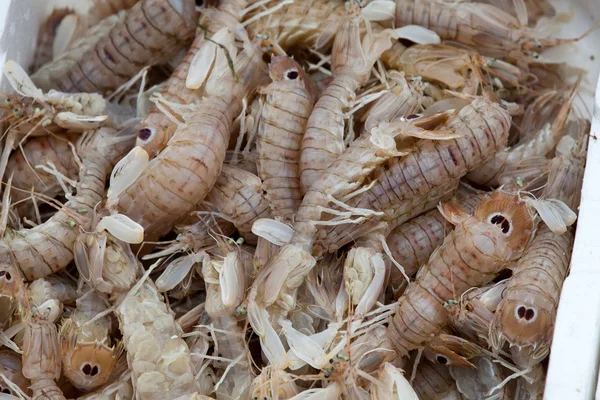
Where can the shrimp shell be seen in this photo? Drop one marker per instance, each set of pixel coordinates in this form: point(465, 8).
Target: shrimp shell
point(52, 287)
point(413, 180)
point(88, 359)
point(41, 353)
point(159, 358)
point(150, 33)
point(43, 150)
point(403, 99)
point(471, 255)
point(302, 23)
point(45, 39)
point(182, 175)
point(434, 382)
point(11, 365)
point(484, 27)
point(156, 129)
point(46, 248)
point(239, 196)
point(351, 63)
point(526, 315)
point(413, 242)
point(288, 104)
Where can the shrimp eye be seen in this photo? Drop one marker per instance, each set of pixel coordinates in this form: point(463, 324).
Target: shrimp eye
point(442, 360)
point(145, 133)
point(525, 313)
point(87, 369)
point(8, 276)
point(16, 112)
point(291, 74)
point(501, 220)
point(94, 371)
point(413, 116)
point(6, 102)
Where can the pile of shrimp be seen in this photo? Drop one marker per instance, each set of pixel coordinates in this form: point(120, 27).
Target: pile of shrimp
point(286, 199)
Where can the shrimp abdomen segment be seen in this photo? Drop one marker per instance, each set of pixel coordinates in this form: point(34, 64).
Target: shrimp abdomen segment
point(183, 174)
point(323, 140)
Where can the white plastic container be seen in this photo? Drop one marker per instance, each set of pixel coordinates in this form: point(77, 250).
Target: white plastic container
point(575, 356)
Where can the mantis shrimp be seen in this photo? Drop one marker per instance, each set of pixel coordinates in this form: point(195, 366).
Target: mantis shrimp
point(288, 104)
point(148, 194)
point(147, 35)
point(525, 316)
point(46, 248)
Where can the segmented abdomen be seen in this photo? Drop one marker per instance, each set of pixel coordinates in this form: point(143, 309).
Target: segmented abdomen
point(183, 174)
point(430, 166)
point(283, 120)
point(300, 23)
point(457, 265)
point(323, 140)
point(238, 195)
point(413, 242)
point(152, 31)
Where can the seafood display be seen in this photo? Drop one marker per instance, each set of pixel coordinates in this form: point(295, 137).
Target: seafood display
point(284, 199)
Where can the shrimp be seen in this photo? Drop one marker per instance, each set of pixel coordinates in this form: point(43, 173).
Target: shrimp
point(471, 316)
point(471, 255)
point(171, 185)
point(288, 104)
point(486, 28)
point(46, 248)
point(526, 315)
point(10, 284)
point(105, 263)
point(351, 63)
point(420, 178)
point(537, 144)
point(225, 290)
point(150, 33)
point(54, 151)
point(433, 382)
point(116, 390)
point(392, 385)
point(11, 366)
point(158, 356)
point(238, 195)
point(404, 99)
point(41, 353)
point(86, 352)
point(307, 23)
point(413, 242)
point(33, 113)
point(157, 128)
point(475, 383)
point(535, 389)
point(286, 269)
point(457, 69)
point(52, 287)
point(273, 383)
point(46, 37)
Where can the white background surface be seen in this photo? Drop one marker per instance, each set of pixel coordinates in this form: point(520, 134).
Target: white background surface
point(575, 356)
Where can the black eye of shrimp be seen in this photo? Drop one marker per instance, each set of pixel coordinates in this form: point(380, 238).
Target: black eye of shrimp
point(87, 369)
point(442, 360)
point(291, 74)
point(145, 133)
point(499, 219)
